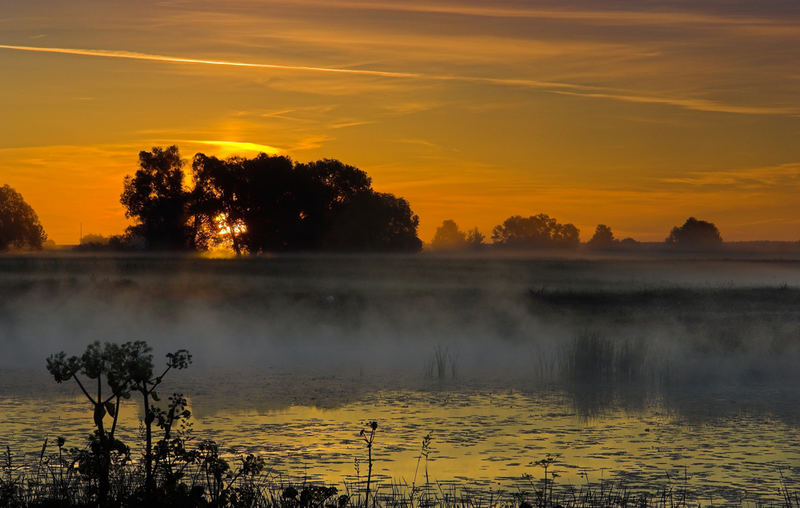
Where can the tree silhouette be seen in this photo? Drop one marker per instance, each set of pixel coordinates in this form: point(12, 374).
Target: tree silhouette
point(155, 197)
point(269, 203)
point(328, 187)
point(536, 231)
point(695, 234)
point(475, 239)
point(220, 198)
point(19, 224)
point(448, 236)
point(603, 238)
point(628, 243)
point(374, 221)
point(565, 236)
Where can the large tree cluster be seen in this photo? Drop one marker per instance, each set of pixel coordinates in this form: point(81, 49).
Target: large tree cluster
point(267, 203)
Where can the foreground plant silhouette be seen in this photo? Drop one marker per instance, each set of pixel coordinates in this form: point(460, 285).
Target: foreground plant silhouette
point(113, 370)
point(143, 381)
point(368, 435)
point(106, 365)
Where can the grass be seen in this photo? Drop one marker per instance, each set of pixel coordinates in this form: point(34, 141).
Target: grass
point(54, 481)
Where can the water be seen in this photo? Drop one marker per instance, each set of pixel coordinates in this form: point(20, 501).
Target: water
point(695, 387)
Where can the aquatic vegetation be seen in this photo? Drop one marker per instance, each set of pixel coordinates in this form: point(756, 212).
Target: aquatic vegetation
point(368, 435)
point(425, 451)
point(443, 361)
point(594, 358)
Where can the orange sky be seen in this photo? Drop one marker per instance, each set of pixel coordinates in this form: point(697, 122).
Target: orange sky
point(628, 113)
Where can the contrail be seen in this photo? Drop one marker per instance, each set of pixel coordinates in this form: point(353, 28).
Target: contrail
point(549, 86)
point(131, 55)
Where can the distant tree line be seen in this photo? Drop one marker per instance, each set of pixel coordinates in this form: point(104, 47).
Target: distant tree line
point(544, 232)
point(272, 203)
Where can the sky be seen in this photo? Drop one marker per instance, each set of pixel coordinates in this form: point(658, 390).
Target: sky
point(632, 113)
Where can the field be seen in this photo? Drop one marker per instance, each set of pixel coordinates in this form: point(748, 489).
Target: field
point(660, 375)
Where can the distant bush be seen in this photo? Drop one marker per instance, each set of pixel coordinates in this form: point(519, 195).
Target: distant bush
point(536, 231)
point(449, 237)
point(695, 234)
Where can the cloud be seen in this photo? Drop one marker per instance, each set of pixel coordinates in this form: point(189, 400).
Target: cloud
point(607, 16)
point(782, 176)
point(131, 55)
point(691, 104)
point(550, 86)
point(350, 123)
point(235, 147)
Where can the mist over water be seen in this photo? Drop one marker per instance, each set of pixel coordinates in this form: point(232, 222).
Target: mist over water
point(506, 357)
point(507, 318)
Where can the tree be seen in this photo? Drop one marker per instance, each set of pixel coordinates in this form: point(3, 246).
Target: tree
point(250, 201)
point(328, 187)
point(154, 196)
point(270, 203)
point(603, 238)
point(628, 243)
point(695, 234)
point(449, 237)
point(374, 221)
point(341, 181)
point(536, 231)
point(19, 224)
point(94, 240)
point(215, 200)
point(475, 239)
point(565, 236)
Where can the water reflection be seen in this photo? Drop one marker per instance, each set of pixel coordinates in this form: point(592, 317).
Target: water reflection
point(725, 442)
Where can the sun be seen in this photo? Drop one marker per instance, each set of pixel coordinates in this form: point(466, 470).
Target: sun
point(227, 229)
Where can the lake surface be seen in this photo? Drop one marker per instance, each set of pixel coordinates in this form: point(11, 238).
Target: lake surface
point(661, 373)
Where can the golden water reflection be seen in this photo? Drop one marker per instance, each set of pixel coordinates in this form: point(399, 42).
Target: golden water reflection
point(483, 438)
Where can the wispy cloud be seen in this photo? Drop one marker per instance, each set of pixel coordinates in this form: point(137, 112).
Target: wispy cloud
point(350, 123)
point(692, 104)
point(627, 16)
point(771, 177)
point(309, 143)
point(132, 55)
point(550, 86)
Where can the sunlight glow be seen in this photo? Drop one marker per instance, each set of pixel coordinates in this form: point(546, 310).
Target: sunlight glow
point(235, 147)
point(225, 229)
